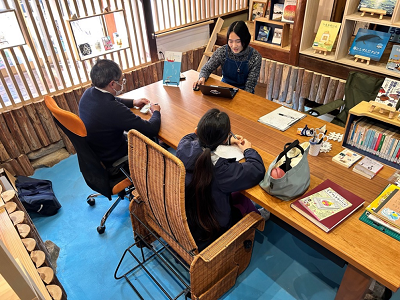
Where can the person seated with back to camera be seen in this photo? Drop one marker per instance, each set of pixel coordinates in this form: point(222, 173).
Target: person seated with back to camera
point(213, 200)
point(240, 62)
point(107, 116)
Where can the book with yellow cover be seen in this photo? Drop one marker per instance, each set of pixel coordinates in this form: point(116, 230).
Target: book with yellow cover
point(378, 203)
point(326, 35)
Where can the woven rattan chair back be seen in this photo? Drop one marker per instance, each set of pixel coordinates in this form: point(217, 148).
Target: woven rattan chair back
point(159, 178)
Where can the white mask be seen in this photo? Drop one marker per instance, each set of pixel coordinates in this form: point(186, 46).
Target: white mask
point(117, 93)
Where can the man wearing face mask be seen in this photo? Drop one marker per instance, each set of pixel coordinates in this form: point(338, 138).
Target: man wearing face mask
point(106, 116)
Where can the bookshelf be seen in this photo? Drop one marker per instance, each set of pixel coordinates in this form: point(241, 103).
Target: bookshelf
point(345, 38)
point(382, 119)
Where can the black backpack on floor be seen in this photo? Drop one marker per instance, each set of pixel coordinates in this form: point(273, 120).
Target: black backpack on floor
point(37, 195)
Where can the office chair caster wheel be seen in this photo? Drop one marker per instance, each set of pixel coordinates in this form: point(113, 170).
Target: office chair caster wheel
point(91, 201)
point(101, 229)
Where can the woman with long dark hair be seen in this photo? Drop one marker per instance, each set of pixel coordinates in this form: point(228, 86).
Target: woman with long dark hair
point(240, 62)
point(213, 184)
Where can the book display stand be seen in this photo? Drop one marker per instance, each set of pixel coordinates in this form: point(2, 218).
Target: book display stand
point(362, 58)
point(320, 50)
point(281, 28)
point(382, 108)
point(372, 11)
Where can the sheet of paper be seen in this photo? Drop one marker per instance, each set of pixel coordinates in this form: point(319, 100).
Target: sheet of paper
point(232, 151)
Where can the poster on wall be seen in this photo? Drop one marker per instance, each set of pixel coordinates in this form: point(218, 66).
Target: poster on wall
point(10, 31)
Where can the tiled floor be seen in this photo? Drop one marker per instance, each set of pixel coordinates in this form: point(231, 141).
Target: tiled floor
point(282, 266)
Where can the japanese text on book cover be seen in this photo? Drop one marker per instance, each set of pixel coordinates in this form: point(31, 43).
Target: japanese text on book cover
point(369, 43)
point(325, 203)
point(326, 35)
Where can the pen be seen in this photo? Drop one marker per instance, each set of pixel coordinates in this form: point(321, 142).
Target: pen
point(233, 135)
point(283, 115)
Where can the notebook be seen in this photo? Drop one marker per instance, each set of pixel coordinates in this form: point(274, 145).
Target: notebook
point(281, 118)
point(219, 91)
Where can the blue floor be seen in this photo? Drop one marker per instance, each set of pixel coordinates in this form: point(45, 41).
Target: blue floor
point(282, 266)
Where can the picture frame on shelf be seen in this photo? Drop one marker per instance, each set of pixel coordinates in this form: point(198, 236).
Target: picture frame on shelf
point(258, 10)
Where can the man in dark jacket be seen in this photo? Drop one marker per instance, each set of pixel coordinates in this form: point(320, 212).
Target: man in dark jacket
point(106, 116)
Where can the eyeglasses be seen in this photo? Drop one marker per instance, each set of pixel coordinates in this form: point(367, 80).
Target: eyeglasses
point(123, 81)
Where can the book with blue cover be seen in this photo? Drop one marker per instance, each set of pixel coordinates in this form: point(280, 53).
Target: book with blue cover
point(394, 59)
point(369, 43)
point(172, 68)
point(386, 5)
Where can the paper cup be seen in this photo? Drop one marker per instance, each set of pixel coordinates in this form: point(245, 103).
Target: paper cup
point(314, 147)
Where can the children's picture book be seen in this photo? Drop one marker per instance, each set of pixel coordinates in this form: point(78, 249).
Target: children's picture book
point(289, 11)
point(326, 35)
point(369, 43)
point(325, 203)
point(330, 222)
point(389, 92)
point(258, 10)
point(346, 158)
point(277, 11)
point(387, 5)
point(368, 167)
point(277, 37)
point(172, 68)
point(386, 194)
point(393, 63)
point(108, 45)
point(281, 118)
point(263, 33)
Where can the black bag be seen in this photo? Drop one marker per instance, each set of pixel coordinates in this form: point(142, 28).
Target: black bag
point(37, 195)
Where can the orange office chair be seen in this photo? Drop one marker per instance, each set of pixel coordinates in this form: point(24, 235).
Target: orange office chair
point(96, 176)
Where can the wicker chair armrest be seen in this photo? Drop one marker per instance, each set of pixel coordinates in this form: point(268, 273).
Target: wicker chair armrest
point(251, 220)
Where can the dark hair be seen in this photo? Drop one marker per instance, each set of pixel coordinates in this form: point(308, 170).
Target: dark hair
point(240, 28)
point(213, 130)
point(104, 71)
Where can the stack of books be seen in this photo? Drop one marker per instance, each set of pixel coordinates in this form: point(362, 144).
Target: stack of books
point(346, 158)
point(368, 167)
point(384, 212)
point(327, 205)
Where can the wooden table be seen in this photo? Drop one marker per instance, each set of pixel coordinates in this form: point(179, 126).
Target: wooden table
point(368, 252)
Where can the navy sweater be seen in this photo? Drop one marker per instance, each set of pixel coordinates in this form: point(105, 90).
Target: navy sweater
point(229, 176)
point(106, 117)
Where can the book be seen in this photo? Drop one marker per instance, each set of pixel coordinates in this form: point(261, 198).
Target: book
point(389, 209)
point(281, 118)
point(332, 221)
point(346, 158)
point(325, 203)
point(393, 63)
point(277, 37)
point(386, 194)
point(365, 217)
point(369, 43)
point(368, 167)
point(263, 33)
point(386, 5)
point(277, 11)
point(326, 35)
point(289, 11)
point(172, 68)
point(389, 92)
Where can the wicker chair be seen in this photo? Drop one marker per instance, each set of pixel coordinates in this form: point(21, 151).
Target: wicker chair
point(158, 210)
